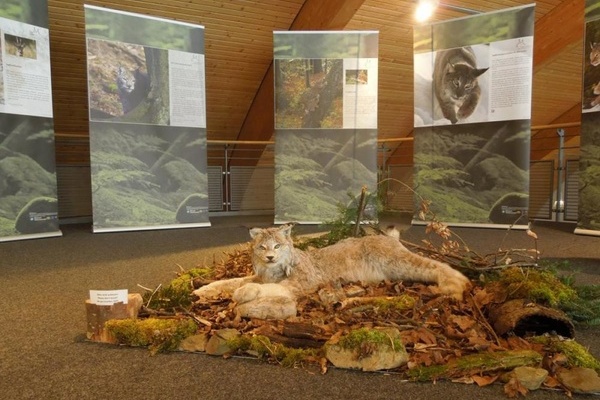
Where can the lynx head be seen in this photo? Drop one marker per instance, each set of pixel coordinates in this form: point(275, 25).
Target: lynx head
point(460, 80)
point(272, 252)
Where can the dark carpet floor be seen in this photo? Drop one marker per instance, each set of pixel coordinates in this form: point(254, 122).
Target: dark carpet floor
point(44, 283)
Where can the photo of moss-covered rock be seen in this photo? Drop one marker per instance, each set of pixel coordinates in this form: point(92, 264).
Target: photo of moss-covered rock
point(316, 170)
point(28, 194)
point(476, 173)
point(144, 176)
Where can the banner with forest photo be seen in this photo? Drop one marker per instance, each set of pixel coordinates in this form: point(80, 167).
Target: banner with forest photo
point(28, 193)
point(147, 121)
point(325, 123)
point(472, 118)
point(589, 159)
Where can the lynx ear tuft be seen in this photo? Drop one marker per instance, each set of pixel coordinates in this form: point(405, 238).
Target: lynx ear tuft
point(254, 232)
point(287, 229)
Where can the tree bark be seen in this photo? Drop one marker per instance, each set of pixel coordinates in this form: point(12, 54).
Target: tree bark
point(97, 315)
point(522, 317)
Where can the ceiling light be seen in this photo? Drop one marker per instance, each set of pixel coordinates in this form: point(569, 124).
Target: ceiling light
point(425, 9)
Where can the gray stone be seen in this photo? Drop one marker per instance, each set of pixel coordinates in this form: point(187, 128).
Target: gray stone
point(217, 344)
point(580, 380)
point(383, 357)
point(273, 307)
point(530, 377)
point(195, 343)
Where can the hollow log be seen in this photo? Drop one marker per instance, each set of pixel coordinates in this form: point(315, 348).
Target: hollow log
point(524, 318)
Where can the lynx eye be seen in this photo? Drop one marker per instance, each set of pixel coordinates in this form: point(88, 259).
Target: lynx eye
point(262, 247)
point(277, 246)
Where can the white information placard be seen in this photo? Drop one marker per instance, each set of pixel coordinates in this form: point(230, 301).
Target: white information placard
point(108, 297)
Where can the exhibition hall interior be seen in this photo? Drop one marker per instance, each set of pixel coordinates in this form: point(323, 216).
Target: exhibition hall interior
point(299, 199)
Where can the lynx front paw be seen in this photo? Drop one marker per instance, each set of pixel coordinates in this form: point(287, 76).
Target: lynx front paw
point(210, 291)
point(251, 291)
point(246, 293)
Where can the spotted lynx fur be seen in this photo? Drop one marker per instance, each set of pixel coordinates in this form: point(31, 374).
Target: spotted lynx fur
point(282, 272)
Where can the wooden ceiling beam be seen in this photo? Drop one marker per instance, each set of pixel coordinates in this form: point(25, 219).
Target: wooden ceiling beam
point(556, 31)
point(313, 15)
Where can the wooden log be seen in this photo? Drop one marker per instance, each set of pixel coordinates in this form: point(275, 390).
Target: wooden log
point(523, 317)
point(476, 364)
point(294, 334)
point(97, 315)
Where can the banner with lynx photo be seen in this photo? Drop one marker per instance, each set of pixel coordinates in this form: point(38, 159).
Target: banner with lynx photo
point(325, 123)
point(589, 158)
point(147, 122)
point(472, 118)
point(28, 193)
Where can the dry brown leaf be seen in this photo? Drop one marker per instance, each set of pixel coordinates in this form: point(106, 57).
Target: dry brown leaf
point(552, 382)
point(485, 379)
point(426, 336)
point(514, 388)
point(464, 322)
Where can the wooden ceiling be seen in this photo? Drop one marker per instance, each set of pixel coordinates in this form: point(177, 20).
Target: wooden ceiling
point(238, 46)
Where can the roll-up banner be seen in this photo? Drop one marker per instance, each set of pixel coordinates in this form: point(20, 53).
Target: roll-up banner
point(589, 159)
point(472, 119)
point(28, 193)
point(325, 122)
point(147, 121)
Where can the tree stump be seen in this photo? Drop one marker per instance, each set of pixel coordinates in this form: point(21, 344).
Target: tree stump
point(97, 315)
point(523, 317)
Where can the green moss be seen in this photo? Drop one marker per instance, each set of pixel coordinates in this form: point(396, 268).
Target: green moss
point(176, 294)
point(396, 303)
point(475, 364)
point(262, 347)
point(539, 285)
point(158, 335)
point(427, 374)
point(577, 355)
point(363, 338)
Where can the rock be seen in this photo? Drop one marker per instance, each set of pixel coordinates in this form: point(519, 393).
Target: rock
point(530, 377)
point(195, 343)
point(580, 380)
point(134, 304)
point(217, 344)
point(384, 355)
point(273, 307)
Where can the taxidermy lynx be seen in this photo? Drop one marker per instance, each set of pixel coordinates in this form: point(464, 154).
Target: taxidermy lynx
point(282, 272)
point(455, 82)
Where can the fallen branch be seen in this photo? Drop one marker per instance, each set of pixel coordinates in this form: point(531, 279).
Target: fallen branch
point(476, 364)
